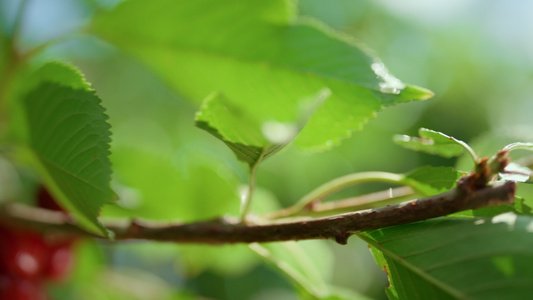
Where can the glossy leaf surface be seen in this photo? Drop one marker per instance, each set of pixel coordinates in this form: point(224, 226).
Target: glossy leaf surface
point(262, 58)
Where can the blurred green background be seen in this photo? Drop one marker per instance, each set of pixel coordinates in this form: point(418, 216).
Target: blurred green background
point(476, 56)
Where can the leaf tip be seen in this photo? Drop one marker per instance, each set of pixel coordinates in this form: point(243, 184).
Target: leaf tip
point(417, 93)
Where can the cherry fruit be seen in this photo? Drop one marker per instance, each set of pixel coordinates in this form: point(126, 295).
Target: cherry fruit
point(60, 261)
point(23, 254)
point(28, 259)
point(15, 288)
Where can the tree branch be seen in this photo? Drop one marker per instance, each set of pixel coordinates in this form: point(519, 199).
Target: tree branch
point(225, 230)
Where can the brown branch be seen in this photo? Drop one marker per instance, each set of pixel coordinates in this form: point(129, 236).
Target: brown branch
point(224, 230)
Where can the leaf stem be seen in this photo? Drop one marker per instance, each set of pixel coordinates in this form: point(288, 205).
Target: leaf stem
point(467, 148)
point(246, 200)
point(333, 186)
point(519, 146)
point(372, 200)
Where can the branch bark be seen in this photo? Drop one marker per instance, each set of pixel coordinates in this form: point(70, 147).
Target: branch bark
point(225, 230)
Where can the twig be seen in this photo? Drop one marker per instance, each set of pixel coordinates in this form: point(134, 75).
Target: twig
point(320, 193)
point(373, 200)
point(225, 230)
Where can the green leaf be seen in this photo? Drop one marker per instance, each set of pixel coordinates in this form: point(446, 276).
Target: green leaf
point(59, 73)
point(451, 258)
point(252, 138)
point(262, 58)
point(68, 139)
point(519, 207)
point(432, 142)
point(307, 269)
point(308, 265)
point(430, 180)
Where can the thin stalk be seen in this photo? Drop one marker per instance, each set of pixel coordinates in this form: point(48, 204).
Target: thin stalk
point(246, 200)
point(334, 186)
point(519, 146)
point(372, 200)
point(468, 149)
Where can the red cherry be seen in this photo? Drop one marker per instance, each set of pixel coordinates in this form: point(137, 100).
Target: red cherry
point(45, 200)
point(14, 288)
point(61, 261)
point(23, 254)
point(26, 258)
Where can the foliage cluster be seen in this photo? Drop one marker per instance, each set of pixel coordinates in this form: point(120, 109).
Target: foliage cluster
point(267, 82)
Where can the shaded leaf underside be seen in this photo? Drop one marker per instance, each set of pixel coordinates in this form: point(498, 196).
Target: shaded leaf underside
point(451, 258)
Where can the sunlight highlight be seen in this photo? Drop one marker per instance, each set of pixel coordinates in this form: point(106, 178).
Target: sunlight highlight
point(279, 133)
point(509, 218)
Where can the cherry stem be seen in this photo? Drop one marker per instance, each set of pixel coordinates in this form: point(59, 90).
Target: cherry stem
point(315, 196)
point(468, 149)
point(519, 146)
